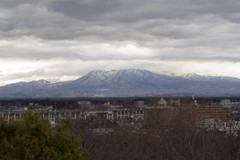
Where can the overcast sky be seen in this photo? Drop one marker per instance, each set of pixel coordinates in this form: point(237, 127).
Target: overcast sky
point(65, 39)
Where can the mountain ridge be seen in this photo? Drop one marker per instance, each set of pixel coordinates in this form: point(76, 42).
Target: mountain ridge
point(126, 82)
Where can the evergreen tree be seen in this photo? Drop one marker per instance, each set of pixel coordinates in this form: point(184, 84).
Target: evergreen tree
point(35, 139)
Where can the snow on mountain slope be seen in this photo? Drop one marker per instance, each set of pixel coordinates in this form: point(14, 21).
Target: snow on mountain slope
point(194, 76)
point(127, 82)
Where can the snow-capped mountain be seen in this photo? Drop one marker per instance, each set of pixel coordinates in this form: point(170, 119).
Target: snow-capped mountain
point(194, 76)
point(130, 82)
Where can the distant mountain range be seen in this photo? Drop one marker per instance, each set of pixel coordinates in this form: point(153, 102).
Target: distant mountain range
point(126, 83)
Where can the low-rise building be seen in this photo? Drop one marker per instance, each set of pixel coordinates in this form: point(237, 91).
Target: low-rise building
point(201, 113)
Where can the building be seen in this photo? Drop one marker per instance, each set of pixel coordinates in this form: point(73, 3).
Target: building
point(119, 114)
point(226, 103)
point(162, 102)
point(201, 113)
point(159, 116)
point(139, 104)
point(175, 102)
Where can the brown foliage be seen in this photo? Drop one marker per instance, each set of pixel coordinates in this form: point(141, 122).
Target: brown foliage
point(182, 140)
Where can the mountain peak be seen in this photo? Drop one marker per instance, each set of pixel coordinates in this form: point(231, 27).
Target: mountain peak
point(102, 74)
point(127, 82)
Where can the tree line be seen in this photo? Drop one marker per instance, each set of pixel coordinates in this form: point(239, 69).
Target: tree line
point(35, 139)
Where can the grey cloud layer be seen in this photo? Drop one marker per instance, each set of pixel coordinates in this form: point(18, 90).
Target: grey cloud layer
point(184, 30)
point(117, 10)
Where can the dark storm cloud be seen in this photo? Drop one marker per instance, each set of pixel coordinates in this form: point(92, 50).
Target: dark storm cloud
point(84, 9)
point(125, 10)
point(15, 3)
